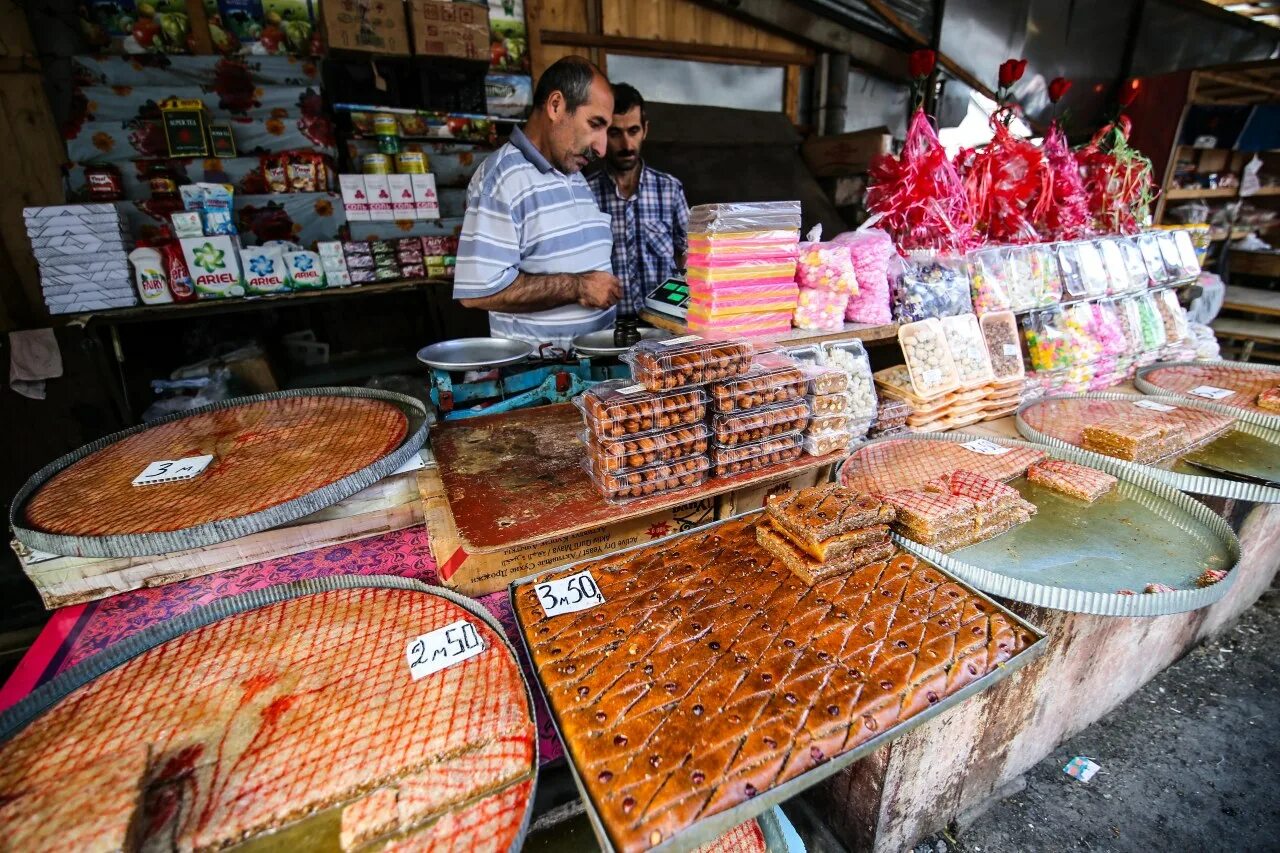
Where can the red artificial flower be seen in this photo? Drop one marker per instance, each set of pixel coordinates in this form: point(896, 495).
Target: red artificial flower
point(1058, 88)
point(1011, 71)
point(1128, 93)
point(922, 62)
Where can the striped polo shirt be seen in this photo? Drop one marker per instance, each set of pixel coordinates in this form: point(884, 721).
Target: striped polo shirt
point(524, 215)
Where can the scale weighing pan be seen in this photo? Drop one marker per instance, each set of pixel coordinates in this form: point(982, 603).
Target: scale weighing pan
point(475, 353)
point(601, 342)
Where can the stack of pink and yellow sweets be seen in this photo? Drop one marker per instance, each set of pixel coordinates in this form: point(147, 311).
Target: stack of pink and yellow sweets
point(741, 268)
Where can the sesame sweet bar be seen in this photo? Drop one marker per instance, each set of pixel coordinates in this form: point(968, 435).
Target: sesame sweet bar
point(1068, 478)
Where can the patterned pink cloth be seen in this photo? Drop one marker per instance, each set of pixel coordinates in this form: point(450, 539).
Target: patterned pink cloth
point(97, 625)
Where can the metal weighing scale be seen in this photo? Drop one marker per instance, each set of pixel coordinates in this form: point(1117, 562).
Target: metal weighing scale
point(509, 383)
point(670, 298)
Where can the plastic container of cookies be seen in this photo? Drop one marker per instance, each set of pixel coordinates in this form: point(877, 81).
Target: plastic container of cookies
point(753, 425)
point(620, 408)
point(928, 358)
point(892, 413)
point(773, 378)
point(728, 460)
point(626, 486)
point(627, 454)
point(821, 379)
point(968, 349)
point(687, 361)
point(1001, 333)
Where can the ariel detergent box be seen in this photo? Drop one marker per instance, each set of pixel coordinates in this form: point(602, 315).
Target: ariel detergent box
point(264, 270)
point(214, 264)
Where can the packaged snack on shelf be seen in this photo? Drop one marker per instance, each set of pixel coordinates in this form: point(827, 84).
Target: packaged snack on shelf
point(968, 349)
point(1174, 316)
point(752, 456)
point(1077, 322)
point(618, 455)
point(719, 273)
point(739, 326)
point(1130, 324)
point(1120, 277)
point(645, 482)
point(773, 378)
point(1159, 272)
point(1046, 273)
point(722, 217)
point(1189, 261)
point(851, 357)
point(1046, 339)
point(989, 271)
point(755, 424)
point(928, 358)
point(690, 360)
point(1069, 265)
point(892, 413)
point(829, 423)
point(1092, 271)
point(869, 252)
point(620, 407)
point(1150, 323)
point(927, 286)
point(1172, 257)
point(820, 310)
point(831, 404)
point(825, 266)
point(806, 355)
point(1136, 263)
point(822, 379)
point(1106, 327)
point(832, 442)
point(1001, 333)
point(742, 298)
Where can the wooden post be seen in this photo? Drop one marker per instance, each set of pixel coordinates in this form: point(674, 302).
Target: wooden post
point(30, 171)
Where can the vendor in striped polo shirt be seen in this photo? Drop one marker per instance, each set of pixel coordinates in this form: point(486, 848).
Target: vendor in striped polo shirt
point(535, 249)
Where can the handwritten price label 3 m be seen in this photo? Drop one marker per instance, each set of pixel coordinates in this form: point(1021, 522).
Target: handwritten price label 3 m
point(986, 448)
point(1210, 392)
point(443, 647)
point(171, 470)
point(569, 595)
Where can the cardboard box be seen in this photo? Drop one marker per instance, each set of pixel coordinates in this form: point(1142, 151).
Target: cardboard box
point(369, 26)
point(379, 191)
point(425, 201)
point(401, 196)
point(480, 574)
point(214, 264)
point(441, 28)
point(845, 153)
point(354, 199)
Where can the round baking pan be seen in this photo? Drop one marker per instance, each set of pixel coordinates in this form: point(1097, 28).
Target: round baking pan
point(1170, 378)
point(223, 529)
point(1077, 556)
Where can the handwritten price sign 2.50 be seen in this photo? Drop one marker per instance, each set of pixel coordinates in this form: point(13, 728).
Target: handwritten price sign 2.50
point(443, 647)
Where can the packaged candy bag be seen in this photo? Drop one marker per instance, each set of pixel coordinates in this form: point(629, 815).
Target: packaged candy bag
point(927, 285)
point(825, 266)
point(989, 274)
point(821, 310)
point(1009, 184)
point(1024, 284)
point(1117, 180)
point(869, 252)
point(1077, 323)
point(1046, 339)
point(1150, 323)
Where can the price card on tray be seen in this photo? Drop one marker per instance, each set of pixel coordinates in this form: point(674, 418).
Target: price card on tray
point(171, 470)
point(435, 650)
point(986, 448)
point(1210, 392)
point(1154, 406)
point(569, 595)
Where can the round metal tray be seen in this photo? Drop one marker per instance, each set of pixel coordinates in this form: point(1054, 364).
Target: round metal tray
point(1271, 421)
point(601, 342)
point(1075, 556)
point(146, 544)
point(17, 717)
point(1193, 483)
point(474, 353)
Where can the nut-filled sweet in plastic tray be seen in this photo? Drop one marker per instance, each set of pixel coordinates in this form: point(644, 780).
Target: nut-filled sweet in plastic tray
point(740, 458)
point(745, 427)
point(929, 362)
point(686, 361)
point(619, 408)
point(618, 455)
point(650, 480)
point(771, 379)
point(968, 349)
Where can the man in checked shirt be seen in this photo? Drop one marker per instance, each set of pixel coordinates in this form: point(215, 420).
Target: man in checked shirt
point(649, 213)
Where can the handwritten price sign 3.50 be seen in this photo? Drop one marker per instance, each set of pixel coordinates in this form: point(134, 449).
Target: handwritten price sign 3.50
point(569, 595)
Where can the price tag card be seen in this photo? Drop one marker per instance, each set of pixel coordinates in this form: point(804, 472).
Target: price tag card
point(171, 470)
point(443, 647)
point(1010, 349)
point(631, 389)
point(687, 339)
point(1154, 406)
point(986, 448)
point(932, 376)
point(569, 595)
point(1209, 392)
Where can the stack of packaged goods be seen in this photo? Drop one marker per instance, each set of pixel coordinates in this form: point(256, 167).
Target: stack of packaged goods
point(825, 276)
point(741, 268)
point(82, 254)
point(860, 400)
point(891, 418)
point(824, 531)
point(759, 417)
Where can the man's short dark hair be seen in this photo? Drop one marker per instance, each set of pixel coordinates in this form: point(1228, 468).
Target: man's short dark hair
point(571, 76)
point(625, 98)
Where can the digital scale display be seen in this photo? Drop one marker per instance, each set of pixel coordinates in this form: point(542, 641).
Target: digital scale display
point(671, 297)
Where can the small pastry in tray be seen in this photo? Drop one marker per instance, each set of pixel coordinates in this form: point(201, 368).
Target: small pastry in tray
point(812, 570)
point(811, 516)
point(1270, 399)
point(1068, 478)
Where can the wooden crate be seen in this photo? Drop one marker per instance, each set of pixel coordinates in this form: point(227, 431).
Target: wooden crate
point(390, 504)
point(845, 153)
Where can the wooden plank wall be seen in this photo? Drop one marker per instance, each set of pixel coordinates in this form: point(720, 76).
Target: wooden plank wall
point(669, 29)
point(30, 170)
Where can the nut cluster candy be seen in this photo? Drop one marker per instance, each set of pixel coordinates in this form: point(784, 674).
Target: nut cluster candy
point(1001, 333)
point(769, 381)
point(662, 477)
point(968, 349)
point(682, 362)
point(753, 425)
point(760, 454)
point(620, 408)
point(850, 357)
point(637, 452)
